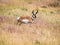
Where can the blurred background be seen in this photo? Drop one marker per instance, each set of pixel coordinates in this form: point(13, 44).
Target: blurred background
point(44, 31)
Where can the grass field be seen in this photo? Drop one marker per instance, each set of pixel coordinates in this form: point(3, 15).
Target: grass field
point(44, 31)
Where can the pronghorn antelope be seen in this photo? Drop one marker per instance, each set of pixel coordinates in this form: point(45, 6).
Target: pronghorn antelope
point(27, 19)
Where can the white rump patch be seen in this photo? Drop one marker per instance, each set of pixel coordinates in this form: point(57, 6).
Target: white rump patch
point(25, 21)
point(18, 18)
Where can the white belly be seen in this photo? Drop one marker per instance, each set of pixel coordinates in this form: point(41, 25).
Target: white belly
point(25, 21)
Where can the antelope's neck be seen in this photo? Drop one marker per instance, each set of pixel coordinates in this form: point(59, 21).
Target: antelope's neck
point(33, 17)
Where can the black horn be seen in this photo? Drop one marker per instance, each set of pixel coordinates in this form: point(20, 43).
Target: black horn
point(35, 12)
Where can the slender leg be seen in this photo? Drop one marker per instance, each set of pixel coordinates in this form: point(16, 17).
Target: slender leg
point(20, 23)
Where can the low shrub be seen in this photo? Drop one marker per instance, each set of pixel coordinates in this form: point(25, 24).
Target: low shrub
point(54, 4)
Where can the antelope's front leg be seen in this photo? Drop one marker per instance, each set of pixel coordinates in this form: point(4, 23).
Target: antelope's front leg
point(19, 22)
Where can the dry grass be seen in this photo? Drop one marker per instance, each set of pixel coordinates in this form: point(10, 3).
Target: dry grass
point(44, 31)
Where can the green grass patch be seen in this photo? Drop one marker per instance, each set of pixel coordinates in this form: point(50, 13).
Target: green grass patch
point(37, 42)
point(2, 42)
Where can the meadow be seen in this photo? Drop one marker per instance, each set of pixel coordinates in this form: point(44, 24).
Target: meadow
point(44, 31)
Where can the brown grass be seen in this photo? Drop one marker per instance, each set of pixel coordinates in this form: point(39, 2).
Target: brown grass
point(26, 34)
point(44, 31)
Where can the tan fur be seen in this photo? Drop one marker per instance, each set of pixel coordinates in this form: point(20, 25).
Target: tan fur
point(25, 17)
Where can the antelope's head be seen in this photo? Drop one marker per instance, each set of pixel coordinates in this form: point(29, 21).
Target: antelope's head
point(34, 14)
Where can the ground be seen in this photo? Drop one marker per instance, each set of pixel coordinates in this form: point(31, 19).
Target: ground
point(44, 31)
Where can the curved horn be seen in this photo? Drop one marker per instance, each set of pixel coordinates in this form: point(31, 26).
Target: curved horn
point(34, 13)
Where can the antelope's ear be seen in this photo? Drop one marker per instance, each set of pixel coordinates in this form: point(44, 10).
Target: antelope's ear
point(18, 18)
